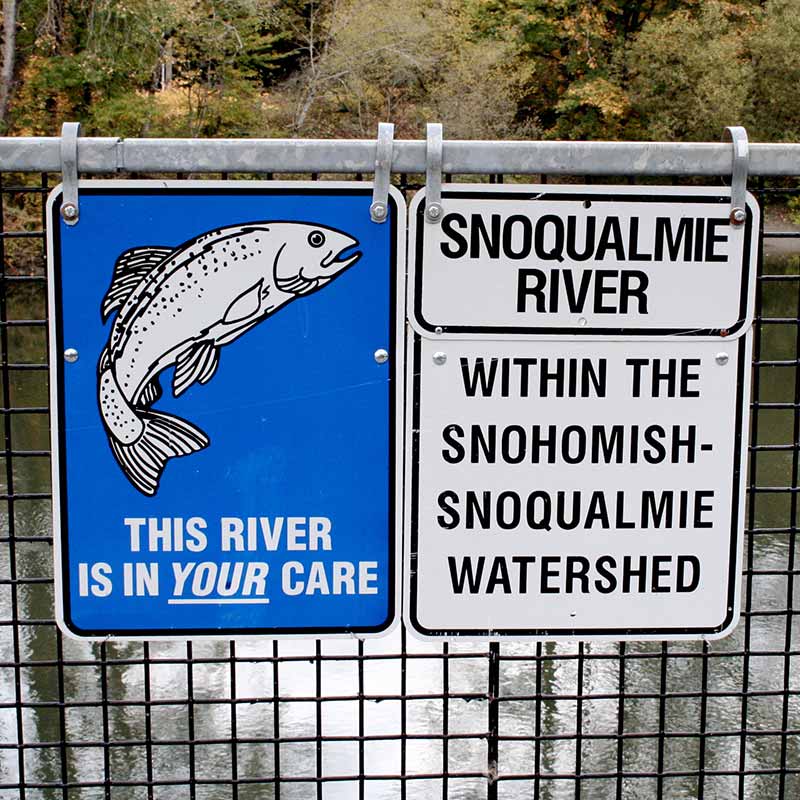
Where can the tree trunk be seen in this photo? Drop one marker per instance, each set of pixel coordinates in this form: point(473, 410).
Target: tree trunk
point(168, 62)
point(53, 25)
point(9, 47)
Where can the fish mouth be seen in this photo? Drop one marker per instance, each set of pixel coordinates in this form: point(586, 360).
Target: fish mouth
point(343, 259)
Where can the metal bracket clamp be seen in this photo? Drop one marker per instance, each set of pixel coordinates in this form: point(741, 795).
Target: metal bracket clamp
point(741, 163)
point(379, 210)
point(433, 173)
point(70, 210)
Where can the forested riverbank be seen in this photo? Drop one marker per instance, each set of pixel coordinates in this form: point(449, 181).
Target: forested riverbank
point(610, 69)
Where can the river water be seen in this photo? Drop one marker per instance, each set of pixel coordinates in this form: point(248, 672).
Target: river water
point(164, 683)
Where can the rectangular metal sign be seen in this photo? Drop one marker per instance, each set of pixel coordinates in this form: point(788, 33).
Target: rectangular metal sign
point(574, 485)
point(223, 362)
point(594, 260)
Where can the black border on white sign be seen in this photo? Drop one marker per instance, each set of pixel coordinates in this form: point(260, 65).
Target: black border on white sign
point(552, 194)
point(608, 633)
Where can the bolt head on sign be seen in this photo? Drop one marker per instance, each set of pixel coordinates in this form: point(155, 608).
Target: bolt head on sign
point(69, 212)
point(223, 448)
point(378, 211)
point(738, 216)
point(434, 212)
point(580, 452)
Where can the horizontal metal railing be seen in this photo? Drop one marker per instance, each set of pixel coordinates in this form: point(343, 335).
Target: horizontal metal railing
point(288, 156)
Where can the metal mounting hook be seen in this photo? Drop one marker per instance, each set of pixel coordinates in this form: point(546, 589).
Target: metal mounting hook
point(379, 210)
point(70, 210)
point(741, 163)
point(433, 173)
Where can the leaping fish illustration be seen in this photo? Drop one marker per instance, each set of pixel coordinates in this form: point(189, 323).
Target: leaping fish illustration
point(180, 306)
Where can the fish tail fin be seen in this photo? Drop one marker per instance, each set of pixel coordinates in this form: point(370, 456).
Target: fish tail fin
point(164, 437)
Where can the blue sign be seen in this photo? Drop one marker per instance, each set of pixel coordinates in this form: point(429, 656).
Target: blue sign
point(223, 416)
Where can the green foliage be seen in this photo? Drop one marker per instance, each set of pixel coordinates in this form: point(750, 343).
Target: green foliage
point(134, 114)
point(662, 69)
point(793, 207)
point(772, 112)
point(94, 51)
point(689, 72)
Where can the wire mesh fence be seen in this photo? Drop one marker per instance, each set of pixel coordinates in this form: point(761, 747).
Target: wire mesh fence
point(395, 717)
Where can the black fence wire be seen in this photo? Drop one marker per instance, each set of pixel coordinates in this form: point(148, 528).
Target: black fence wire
point(395, 717)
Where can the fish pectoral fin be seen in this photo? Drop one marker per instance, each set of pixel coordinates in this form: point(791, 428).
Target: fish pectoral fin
point(105, 361)
point(149, 394)
point(210, 366)
point(245, 306)
point(131, 268)
point(197, 363)
point(297, 284)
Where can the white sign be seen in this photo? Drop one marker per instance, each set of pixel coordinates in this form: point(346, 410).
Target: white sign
point(582, 485)
point(595, 260)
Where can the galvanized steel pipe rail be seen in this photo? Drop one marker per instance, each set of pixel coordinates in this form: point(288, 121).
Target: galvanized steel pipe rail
point(111, 155)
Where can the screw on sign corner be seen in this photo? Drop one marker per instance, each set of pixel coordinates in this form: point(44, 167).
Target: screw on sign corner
point(433, 212)
point(69, 213)
point(379, 212)
point(738, 216)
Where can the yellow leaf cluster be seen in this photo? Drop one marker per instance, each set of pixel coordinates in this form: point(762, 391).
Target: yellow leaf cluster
point(607, 97)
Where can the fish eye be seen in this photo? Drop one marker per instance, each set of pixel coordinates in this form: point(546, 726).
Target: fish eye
point(316, 238)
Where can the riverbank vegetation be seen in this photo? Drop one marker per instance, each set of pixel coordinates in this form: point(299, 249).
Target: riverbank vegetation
point(609, 69)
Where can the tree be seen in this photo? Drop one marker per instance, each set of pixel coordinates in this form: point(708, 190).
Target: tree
point(365, 61)
point(9, 54)
point(689, 72)
point(85, 53)
point(771, 109)
point(107, 62)
point(571, 79)
point(665, 69)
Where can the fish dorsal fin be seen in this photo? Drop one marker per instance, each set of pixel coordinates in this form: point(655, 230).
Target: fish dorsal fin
point(131, 268)
point(197, 363)
point(245, 306)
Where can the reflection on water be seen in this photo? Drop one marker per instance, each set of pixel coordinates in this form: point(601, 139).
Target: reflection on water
point(565, 696)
